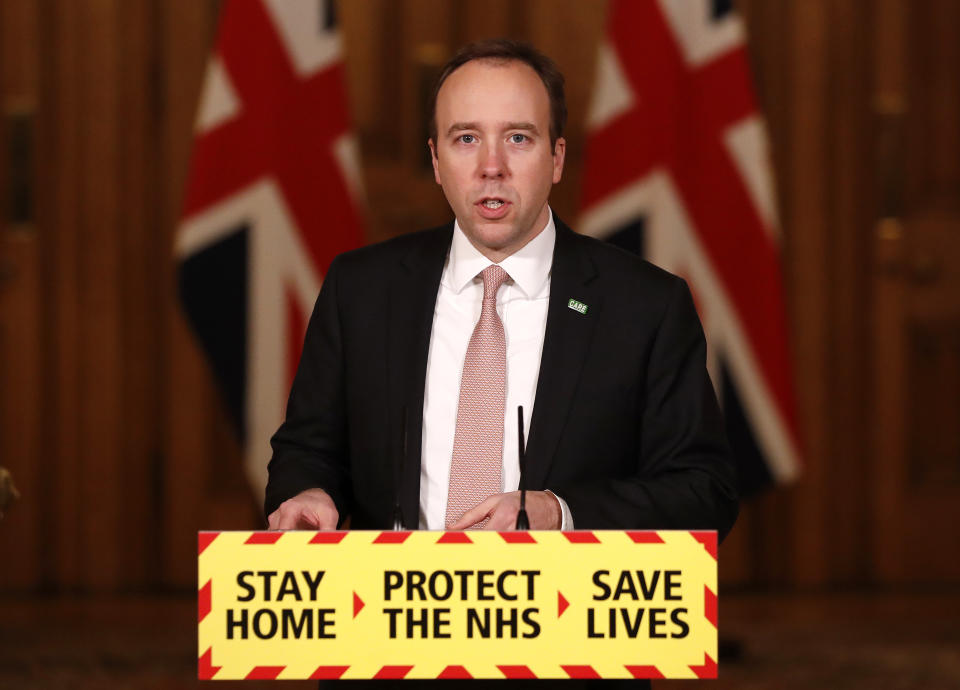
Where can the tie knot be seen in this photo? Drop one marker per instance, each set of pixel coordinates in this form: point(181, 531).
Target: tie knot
point(493, 277)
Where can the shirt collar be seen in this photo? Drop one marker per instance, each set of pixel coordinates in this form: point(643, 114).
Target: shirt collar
point(528, 267)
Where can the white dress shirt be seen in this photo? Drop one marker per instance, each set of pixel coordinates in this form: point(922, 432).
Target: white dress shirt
point(522, 305)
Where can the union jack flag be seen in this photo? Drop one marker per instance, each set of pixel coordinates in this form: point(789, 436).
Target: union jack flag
point(272, 197)
point(677, 169)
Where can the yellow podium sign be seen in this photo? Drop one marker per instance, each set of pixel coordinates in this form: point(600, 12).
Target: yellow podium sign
point(604, 604)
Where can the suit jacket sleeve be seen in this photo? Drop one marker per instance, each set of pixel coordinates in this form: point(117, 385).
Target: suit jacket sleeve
point(684, 476)
point(310, 448)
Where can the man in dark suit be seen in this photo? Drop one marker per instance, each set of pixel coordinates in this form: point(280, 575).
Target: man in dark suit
point(420, 349)
point(625, 431)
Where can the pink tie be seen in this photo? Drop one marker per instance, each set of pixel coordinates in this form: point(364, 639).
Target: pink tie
point(478, 441)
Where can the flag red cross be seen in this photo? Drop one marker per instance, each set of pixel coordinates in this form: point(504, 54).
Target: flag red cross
point(677, 123)
point(285, 129)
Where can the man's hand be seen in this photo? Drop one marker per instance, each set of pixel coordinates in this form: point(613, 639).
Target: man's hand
point(310, 509)
point(543, 511)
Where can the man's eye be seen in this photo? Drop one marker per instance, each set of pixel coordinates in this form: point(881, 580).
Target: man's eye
point(467, 138)
point(518, 138)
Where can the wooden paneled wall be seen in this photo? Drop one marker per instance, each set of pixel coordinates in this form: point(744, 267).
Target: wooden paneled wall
point(108, 417)
point(109, 420)
point(811, 63)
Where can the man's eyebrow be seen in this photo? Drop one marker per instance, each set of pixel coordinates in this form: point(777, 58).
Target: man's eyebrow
point(457, 126)
point(527, 126)
point(524, 126)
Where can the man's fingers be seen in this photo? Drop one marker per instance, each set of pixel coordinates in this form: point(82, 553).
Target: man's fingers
point(275, 521)
point(304, 511)
point(475, 514)
point(501, 509)
point(308, 520)
point(504, 516)
point(282, 518)
point(468, 519)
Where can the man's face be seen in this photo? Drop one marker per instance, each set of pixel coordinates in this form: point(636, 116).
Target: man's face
point(493, 156)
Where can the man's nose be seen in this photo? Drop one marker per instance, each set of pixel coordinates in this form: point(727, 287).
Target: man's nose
point(492, 161)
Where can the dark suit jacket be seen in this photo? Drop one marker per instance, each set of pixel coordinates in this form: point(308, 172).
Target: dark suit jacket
point(625, 423)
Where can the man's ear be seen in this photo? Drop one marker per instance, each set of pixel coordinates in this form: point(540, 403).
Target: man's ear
point(559, 153)
point(433, 159)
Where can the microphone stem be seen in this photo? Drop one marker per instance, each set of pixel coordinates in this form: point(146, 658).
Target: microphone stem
point(398, 477)
point(523, 522)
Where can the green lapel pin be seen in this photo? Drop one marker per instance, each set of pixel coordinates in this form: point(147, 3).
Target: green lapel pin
point(577, 306)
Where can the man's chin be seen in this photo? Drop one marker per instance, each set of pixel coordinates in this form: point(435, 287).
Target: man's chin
point(490, 239)
point(494, 235)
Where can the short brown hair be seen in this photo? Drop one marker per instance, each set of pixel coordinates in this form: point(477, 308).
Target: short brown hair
point(505, 50)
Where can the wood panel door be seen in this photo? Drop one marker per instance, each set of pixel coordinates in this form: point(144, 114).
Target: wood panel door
point(108, 417)
point(916, 323)
point(21, 376)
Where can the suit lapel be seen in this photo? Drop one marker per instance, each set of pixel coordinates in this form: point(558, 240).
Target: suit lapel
point(565, 345)
point(412, 299)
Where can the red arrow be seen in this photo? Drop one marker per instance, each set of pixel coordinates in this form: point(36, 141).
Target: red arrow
point(357, 604)
point(562, 604)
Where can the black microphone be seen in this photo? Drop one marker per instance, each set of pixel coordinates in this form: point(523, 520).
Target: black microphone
point(523, 522)
point(398, 477)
